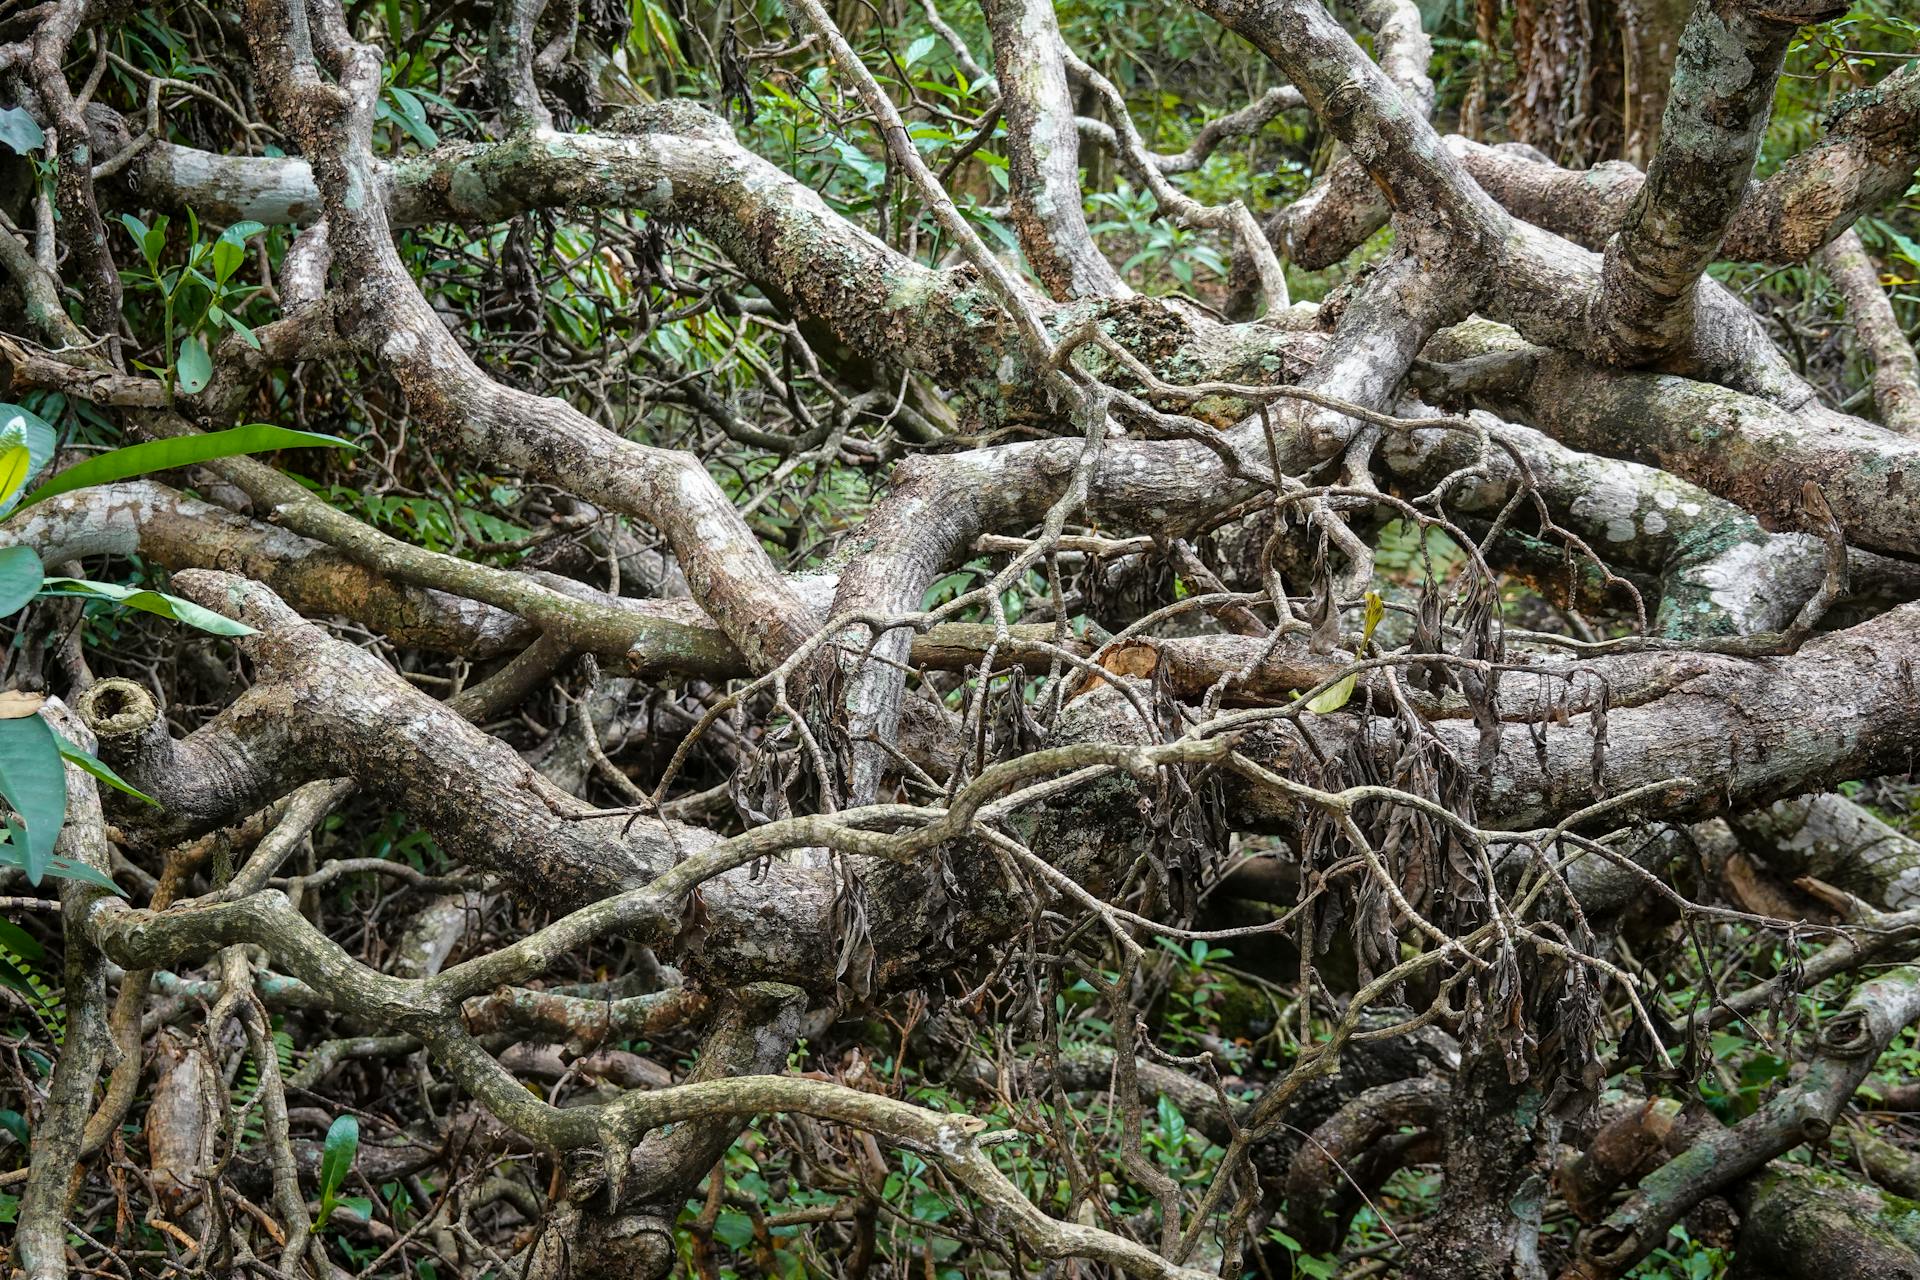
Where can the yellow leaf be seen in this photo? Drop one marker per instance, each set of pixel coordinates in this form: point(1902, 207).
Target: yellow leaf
point(1335, 697)
point(1332, 699)
point(14, 463)
point(1376, 610)
point(15, 705)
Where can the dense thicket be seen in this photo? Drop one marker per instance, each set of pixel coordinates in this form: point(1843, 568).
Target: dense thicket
point(1248, 638)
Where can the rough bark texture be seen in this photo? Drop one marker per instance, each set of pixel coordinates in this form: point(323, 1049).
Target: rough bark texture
point(808, 651)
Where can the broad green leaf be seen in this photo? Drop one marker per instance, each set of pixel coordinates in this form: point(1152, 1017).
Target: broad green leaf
point(230, 250)
point(735, 1230)
point(227, 257)
point(90, 763)
point(194, 367)
point(22, 426)
point(337, 1154)
point(1333, 697)
point(947, 588)
point(245, 333)
point(179, 451)
point(413, 116)
point(148, 601)
point(871, 171)
point(917, 50)
point(336, 1161)
point(20, 131)
point(1875, 228)
point(26, 445)
point(1905, 247)
point(1171, 1122)
point(17, 940)
point(34, 782)
point(151, 239)
point(20, 576)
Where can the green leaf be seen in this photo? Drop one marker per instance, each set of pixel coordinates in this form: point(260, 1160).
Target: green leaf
point(21, 943)
point(230, 250)
point(413, 116)
point(735, 1230)
point(917, 50)
point(34, 782)
point(1905, 247)
point(1171, 1122)
point(336, 1161)
point(947, 588)
point(151, 239)
point(247, 336)
point(871, 171)
point(90, 763)
point(337, 1154)
point(58, 868)
point(21, 131)
point(16, 1124)
point(26, 445)
point(149, 601)
point(195, 366)
point(20, 576)
point(179, 451)
point(227, 257)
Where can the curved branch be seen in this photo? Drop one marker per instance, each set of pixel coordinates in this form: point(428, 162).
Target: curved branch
point(1245, 122)
point(1731, 53)
point(1366, 111)
point(1896, 371)
point(1865, 160)
point(147, 519)
point(385, 314)
point(1803, 1112)
point(1043, 151)
point(1232, 218)
point(1738, 446)
point(1838, 842)
point(1357, 1149)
